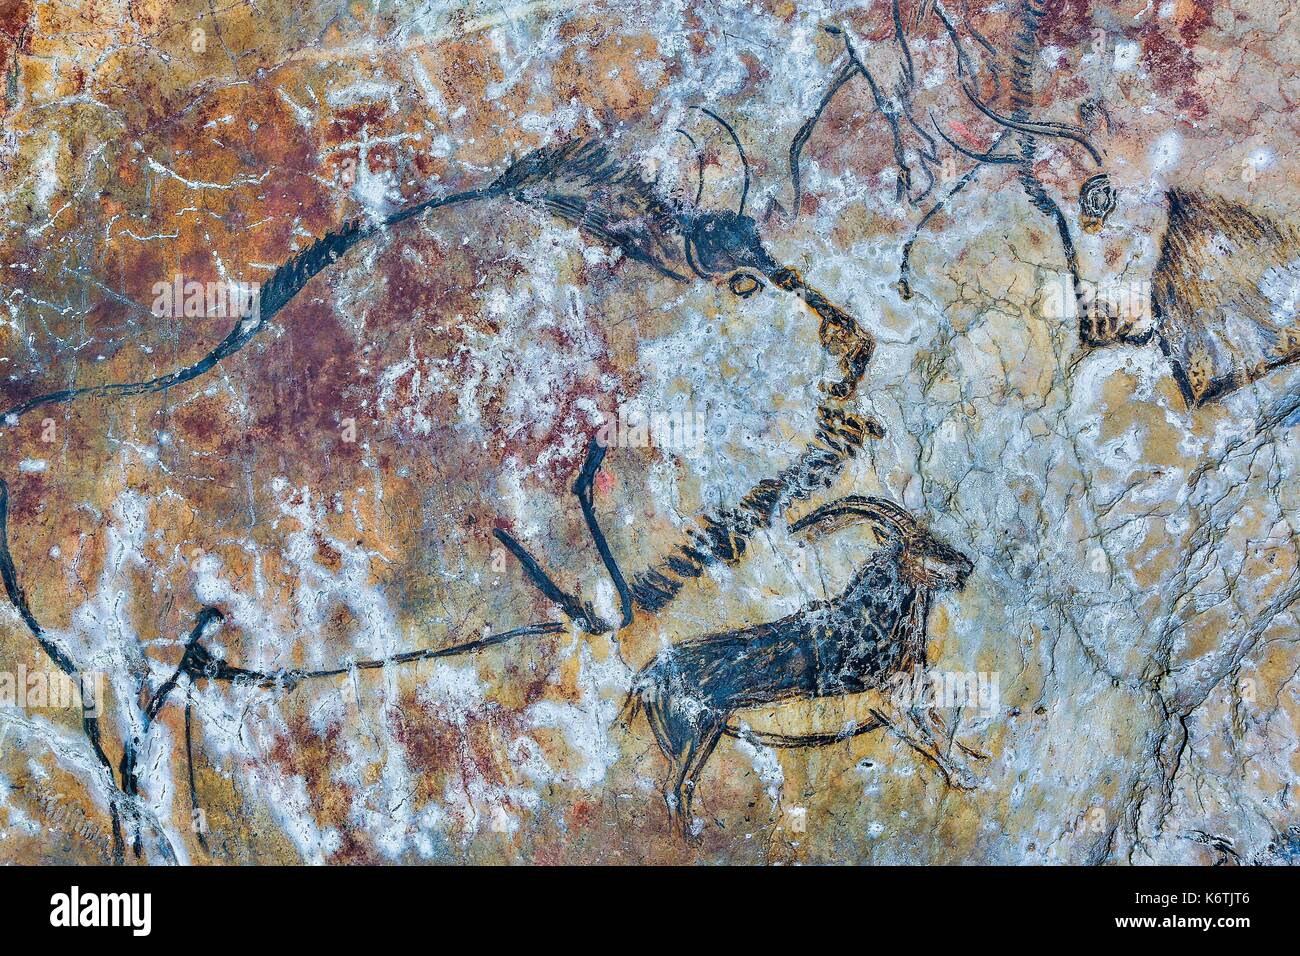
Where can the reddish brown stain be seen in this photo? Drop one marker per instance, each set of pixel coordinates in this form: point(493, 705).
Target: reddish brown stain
point(304, 752)
point(1200, 16)
point(1173, 71)
point(1066, 23)
point(14, 15)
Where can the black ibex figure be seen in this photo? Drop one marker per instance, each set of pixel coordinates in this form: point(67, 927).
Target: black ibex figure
point(860, 640)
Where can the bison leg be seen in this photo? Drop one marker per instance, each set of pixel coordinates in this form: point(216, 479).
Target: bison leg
point(698, 753)
point(581, 613)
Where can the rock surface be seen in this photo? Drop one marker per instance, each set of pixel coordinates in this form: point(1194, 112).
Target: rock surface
point(1117, 672)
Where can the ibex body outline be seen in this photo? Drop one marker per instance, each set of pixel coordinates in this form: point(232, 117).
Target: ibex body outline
point(861, 640)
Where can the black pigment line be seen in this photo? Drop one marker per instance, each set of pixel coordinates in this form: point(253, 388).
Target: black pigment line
point(699, 162)
point(901, 35)
point(131, 748)
point(801, 741)
point(1059, 130)
point(89, 724)
point(724, 536)
point(287, 281)
point(744, 162)
point(904, 183)
point(573, 609)
point(582, 488)
point(189, 763)
point(1022, 92)
point(583, 615)
point(846, 73)
point(905, 265)
point(197, 664)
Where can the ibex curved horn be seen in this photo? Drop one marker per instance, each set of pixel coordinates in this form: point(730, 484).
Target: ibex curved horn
point(1043, 128)
point(891, 519)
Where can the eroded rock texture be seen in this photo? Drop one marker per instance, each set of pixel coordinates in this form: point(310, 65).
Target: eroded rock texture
point(467, 324)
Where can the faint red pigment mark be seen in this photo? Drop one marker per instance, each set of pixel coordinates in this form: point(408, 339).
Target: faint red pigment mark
point(970, 136)
point(14, 15)
point(1200, 17)
point(597, 387)
point(1074, 88)
point(466, 748)
point(349, 121)
point(14, 18)
point(548, 855)
point(1066, 24)
point(583, 813)
point(311, 755)
point(1174, 72)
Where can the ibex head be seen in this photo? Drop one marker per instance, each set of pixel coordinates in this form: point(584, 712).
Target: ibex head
point(926, 561)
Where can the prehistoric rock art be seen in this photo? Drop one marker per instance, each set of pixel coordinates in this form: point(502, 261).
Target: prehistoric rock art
point(1226, 315)
point(316, 344)
point(857, 641)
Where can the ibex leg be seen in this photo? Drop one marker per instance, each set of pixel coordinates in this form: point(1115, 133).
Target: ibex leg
point(910, 726)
